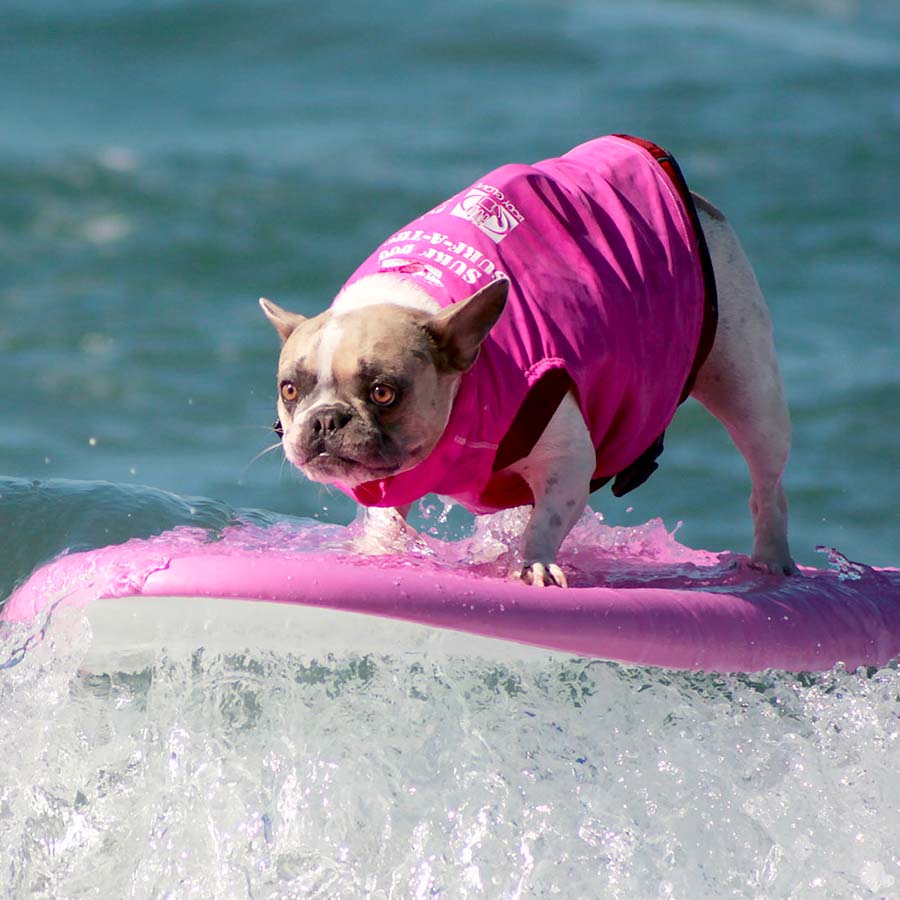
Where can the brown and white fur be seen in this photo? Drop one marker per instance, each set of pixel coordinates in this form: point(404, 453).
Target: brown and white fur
point(383, 335)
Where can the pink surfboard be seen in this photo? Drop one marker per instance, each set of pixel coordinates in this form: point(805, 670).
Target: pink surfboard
point(711, 618)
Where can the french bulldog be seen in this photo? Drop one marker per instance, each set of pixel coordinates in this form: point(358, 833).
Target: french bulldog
point(433, 363)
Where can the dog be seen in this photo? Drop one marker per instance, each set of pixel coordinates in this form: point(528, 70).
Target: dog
point(529, 340)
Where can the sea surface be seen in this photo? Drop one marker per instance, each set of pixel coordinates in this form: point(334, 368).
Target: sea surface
point(163, 164)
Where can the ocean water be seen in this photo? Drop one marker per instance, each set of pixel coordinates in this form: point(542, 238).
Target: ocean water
point(163, 164)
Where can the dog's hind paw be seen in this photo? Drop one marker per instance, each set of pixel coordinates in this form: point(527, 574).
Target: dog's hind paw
point(778, 566)
point(541, 575)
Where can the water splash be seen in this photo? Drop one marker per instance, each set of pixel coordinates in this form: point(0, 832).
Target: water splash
point(847, 570)
point(276, 774)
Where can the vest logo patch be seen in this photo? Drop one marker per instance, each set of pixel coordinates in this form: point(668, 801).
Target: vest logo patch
point(487, 208)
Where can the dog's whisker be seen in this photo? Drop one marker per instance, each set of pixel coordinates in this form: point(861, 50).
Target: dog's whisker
point(254, 428)
point(261, 454)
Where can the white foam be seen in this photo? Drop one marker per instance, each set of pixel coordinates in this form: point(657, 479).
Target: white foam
point(240, 749)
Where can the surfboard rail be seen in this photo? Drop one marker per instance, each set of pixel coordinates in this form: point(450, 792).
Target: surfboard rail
point(806, 623)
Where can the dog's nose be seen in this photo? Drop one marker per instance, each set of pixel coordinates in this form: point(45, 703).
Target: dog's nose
point(328, 420)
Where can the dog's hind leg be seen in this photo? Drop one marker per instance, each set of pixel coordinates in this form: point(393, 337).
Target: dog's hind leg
point(740, 384)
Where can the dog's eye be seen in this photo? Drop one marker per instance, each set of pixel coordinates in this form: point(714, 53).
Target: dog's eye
point(289, 392)
point(383, 395)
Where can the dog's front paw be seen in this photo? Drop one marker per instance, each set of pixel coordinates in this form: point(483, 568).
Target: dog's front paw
point(541, 575)
point(381, 532)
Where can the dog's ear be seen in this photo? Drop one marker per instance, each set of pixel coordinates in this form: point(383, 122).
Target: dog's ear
point(459, 330)
point(285, 322)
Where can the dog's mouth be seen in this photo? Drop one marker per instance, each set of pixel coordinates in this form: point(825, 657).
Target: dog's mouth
point(327, 466)
point(346, 461)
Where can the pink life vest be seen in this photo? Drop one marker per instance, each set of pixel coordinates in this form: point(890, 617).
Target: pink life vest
point(607, 298)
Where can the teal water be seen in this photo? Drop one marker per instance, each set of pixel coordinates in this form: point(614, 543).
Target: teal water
point(164, 164)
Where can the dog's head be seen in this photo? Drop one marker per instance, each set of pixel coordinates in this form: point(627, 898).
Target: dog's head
point(366, 392)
